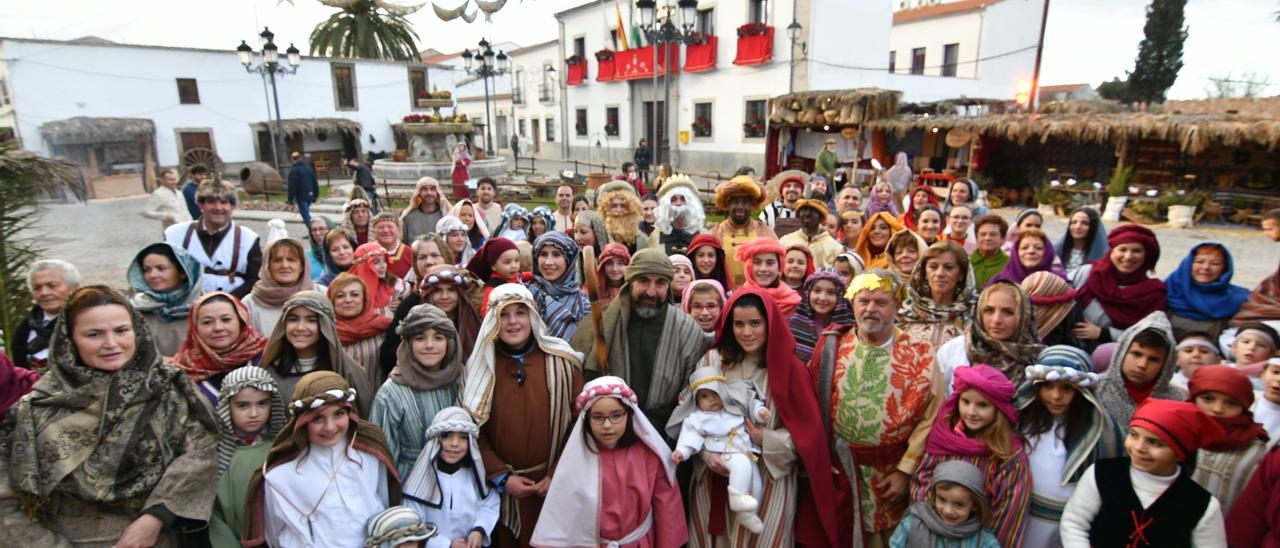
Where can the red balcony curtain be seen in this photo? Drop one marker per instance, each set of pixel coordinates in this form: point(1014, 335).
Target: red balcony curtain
point(605, 69)
point(637, 64)
point(577, 73)
point(755, 49)
point(701, 57)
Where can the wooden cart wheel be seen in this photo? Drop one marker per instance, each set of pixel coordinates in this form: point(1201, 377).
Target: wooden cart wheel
point(202, 157)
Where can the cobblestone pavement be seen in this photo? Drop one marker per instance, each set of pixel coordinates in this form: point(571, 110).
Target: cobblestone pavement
point(102, 236)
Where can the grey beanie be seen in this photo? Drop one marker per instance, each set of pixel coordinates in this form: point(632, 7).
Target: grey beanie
point(964, 474)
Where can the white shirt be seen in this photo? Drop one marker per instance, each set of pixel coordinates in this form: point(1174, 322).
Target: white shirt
point(1086, 502)
point(461, 509)
point(950, 355)
point(305, 508)
point(1267, 413)
point(167, 206)
point(1048, 460)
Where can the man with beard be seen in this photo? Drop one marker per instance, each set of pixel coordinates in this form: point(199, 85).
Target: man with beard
point(679, 216)
point(880, 390)
point(813, 234)
point(426, 208)
point(785, 188)
point(488, 209)
point(649, 342)
point(620, 207)
point(564, 209)
point(738, 197)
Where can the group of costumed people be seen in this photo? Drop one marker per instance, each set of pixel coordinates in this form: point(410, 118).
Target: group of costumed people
point(816, 369)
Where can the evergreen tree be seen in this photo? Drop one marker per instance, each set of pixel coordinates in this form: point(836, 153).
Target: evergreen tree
point(1160, 53)
point(1114, 89)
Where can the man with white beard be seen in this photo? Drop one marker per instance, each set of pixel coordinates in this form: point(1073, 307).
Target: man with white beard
point(680, 216)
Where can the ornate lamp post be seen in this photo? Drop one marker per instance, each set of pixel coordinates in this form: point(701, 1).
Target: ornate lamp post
point(491, 66)
point(270, 66)
point(662, 34)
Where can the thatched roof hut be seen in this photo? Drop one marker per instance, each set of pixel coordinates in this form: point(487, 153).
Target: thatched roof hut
point(845, 107)
point(314, 126)
point(1194, 125)
point(89, 130)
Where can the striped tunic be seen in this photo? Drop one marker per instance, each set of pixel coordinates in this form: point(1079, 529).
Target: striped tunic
point(365, 354)
point(1224, 473)
point(404, 414)
point(1008, 488)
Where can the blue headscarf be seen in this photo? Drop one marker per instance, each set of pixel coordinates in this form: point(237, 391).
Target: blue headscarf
point(561, 303)
point(1097, 247)
point(1198, 301)
point(170, 305)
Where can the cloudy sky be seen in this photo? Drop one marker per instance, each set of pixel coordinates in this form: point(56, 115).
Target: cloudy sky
point(1086, 41)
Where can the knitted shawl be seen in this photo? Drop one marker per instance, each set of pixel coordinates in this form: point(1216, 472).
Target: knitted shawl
point(803, 323)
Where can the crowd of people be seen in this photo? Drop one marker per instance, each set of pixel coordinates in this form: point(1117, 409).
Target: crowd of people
point(818, 369)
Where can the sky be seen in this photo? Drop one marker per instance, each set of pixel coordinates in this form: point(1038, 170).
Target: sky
point(1087, 41)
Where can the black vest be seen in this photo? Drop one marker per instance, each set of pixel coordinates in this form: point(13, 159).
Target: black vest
point(1168, 522)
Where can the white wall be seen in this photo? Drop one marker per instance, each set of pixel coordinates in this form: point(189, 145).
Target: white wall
point(59, 80)
point(528, 74)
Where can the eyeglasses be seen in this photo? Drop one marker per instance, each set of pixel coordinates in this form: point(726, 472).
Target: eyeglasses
point(614, 418)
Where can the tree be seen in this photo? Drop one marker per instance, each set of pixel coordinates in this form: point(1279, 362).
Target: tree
point(1225, 87)
point(24, 177)
point(1115, 89)
point(366, 29)
point(1160, 53)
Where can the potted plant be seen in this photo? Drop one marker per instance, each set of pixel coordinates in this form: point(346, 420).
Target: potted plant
point(752, 29)
point(701, 127)
point(753, 127)
point(1118, 193)
point(1181, 206)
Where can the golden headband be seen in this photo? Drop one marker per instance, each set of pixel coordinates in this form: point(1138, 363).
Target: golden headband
point(872, 282)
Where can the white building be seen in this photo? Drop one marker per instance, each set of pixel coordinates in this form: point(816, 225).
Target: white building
point(967, 48)
point(200, 98)
point(535, 92)
point(469, 95)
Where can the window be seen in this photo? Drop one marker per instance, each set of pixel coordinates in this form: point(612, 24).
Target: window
point(580, 122)
point(188, 91)
point(707, 21)
point(580, 47)
point(917, 61)
point(521, 124)
point(702, 119)
point(755, 118)
point(517, 88)
point(950, 57)
point(344, 86)
point(551, 129)
point(4, 93)
point(893, 61)
point(417, 86)
point(755, 10)
point(611, 121)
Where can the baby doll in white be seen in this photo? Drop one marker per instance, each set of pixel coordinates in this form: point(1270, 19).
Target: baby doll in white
point(711, 419)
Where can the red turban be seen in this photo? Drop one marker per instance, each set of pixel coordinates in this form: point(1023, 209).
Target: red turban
point(1180, 424)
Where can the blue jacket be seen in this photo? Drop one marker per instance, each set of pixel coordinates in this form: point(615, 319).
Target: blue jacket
point(303, 184)
point(189, 194)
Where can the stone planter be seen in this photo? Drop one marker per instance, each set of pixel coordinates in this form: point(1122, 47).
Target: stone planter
point(1182, 216)
point(1115, 206)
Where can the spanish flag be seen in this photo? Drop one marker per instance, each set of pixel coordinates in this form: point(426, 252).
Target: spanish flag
point(621, 30)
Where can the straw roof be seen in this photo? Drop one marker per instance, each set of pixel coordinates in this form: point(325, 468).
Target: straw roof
point(879, 103)
point(1194, 125)
point(87, 130)
point(317, 125)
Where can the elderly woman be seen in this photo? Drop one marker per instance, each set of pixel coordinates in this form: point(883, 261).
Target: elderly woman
point(874, 240)
point(1032, 253)
point(429, 250)
point(1084, 242)
point(1002, 335)
point(112, 447)
point(305, 340)
point(1200, 294)
point(822, 303)
point(426, 207)
point(940, 296)
point(167, 281)
point(1116, 292)
point(555, 288)
point(285, 271)
point(50, 281)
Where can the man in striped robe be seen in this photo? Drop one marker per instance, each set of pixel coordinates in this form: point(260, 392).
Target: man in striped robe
point(643, 338)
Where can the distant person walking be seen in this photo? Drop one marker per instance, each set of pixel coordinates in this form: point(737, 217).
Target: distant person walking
point(363, 178)
point(304, 186)
point(167, 203)
point(643, 159)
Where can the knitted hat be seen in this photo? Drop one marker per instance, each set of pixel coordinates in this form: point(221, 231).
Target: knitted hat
point(678, 259)
point(1062, 363)
point(650, 261)
point(814, 204)
point(1221, 378)
point(1180, 424)
point(991, 383)
point(963, 474)
point(482, 263)
point(740, 185)
point(449, 224)
point(216, 190)
point(1133, 233)
point(396, 525)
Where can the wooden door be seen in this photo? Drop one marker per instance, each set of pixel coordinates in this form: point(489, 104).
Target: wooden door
point(195, 139)
point(537, 136)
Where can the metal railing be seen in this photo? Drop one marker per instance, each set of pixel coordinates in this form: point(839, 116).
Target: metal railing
point(517, 96)
point(546, 93)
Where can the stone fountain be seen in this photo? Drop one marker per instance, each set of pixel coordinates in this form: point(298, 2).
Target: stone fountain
point(431, 139)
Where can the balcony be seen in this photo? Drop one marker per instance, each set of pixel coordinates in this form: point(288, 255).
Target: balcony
point(546, 94)
point(517, 96)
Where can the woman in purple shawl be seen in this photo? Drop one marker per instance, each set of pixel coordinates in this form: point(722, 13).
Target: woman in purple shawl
point(1032, 252)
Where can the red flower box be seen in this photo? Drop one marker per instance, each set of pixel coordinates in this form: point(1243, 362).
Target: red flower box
point(701, 57)
point(637, 64)
point(753, 48)
point(577, 72)
point(604, 66)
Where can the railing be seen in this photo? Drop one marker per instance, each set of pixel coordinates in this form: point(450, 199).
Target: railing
point(546, 93)
point(517, 96)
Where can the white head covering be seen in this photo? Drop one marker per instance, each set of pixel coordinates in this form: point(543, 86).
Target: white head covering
point(575, 491)
point(423, 483)
point(694, 216)
point(476, 395)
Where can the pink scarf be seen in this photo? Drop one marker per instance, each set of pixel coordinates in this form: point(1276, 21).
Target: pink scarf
point(944, 439)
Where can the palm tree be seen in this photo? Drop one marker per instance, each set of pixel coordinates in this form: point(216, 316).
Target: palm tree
point(366, 29)
point(24, 177)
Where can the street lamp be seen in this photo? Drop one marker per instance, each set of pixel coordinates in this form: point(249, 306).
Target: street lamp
point(491, 66)
point(661, 34)
point(793, 33)
point(269, 67)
